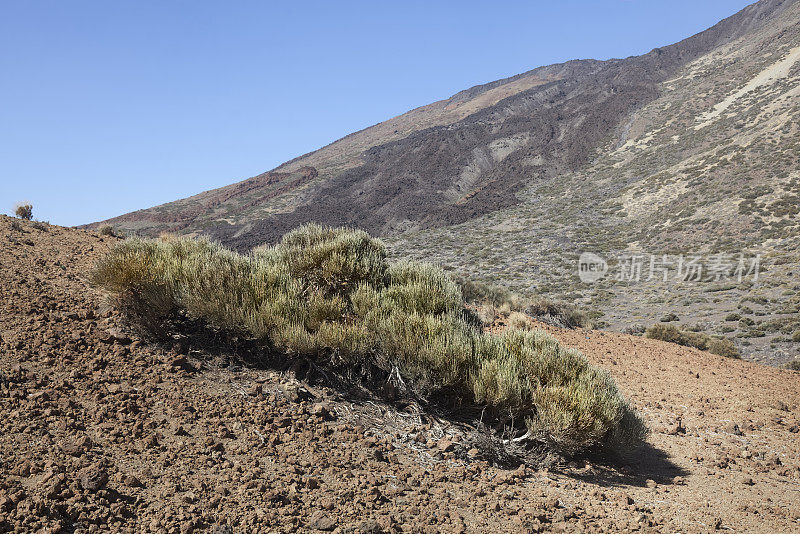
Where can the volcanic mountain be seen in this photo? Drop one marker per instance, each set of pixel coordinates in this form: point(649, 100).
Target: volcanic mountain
point(690, 149)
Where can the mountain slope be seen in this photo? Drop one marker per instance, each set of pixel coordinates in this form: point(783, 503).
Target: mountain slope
point(691, 150)
point(104, 432)
point(453, 160)
point(708, 168)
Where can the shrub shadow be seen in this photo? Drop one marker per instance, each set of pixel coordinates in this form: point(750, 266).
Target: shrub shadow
point(635, 469)
point(190, 337)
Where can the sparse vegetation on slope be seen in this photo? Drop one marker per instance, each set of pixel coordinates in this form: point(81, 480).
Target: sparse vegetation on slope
point(506, 302)
point(698, 340)
point(24, 211)
point(330, 295)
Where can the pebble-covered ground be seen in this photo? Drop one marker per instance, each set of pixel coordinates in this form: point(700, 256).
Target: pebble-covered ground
point(101, 432)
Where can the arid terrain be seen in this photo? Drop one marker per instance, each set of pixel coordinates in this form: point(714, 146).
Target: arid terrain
point(688, 150)
point(101, 431)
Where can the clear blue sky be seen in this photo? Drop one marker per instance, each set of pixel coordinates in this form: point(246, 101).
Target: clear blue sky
point(107, 107)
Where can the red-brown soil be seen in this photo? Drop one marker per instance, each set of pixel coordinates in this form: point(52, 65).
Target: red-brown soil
point(103, 432)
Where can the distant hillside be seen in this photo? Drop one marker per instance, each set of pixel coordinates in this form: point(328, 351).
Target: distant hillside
point(691, 148)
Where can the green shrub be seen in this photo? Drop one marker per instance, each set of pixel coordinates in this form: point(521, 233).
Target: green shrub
point(24, 211)
point(716, 345)
point(669, 318)
point(518, 320)
point(331, 296)
point(505, 302)
point(106, 229)
point(722, 347)
point(732, 317)
point(793, 365)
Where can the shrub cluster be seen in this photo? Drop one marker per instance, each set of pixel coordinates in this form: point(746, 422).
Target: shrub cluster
point(330, 295)
point(107, 230)
point(715, 345)
point(24, 211)
point(506, 302)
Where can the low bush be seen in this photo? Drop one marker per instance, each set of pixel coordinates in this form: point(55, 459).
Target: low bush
point(558, 313)
point(518, 320)
point(24, 211)
point(106, 229)
point(716, 345)
point(793, 365)
point(505, 302)
point(331, 296)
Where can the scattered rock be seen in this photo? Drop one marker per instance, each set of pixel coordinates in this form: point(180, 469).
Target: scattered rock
point(77, 446)
point(92, 478)
point(445, 445)
point(320, 520)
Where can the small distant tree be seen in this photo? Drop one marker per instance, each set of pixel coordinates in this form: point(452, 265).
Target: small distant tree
point(24, 211)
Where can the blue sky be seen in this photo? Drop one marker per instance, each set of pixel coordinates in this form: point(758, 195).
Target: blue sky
point(108, 107)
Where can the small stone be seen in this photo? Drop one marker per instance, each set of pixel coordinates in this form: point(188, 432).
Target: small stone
point(131, 481)
point(319, 520)
point(92, 478)
point(77, 446)
point(445, 445)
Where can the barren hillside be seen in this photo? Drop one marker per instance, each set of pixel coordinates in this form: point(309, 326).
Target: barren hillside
point(103, 432)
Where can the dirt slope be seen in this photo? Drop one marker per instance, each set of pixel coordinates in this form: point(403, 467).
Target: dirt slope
point(101, 432)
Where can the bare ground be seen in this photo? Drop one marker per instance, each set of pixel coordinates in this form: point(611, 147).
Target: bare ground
point(103, 432)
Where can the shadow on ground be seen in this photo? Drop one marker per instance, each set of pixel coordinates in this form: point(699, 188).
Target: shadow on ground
point(645, 464)
point(194, 338)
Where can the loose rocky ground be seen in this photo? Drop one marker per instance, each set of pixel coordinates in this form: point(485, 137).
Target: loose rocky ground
point(102, 432)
